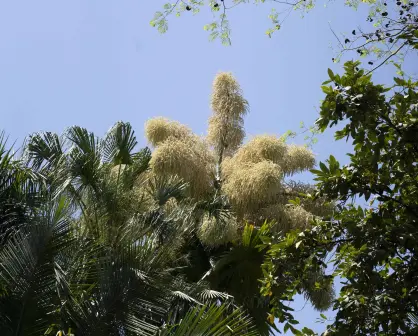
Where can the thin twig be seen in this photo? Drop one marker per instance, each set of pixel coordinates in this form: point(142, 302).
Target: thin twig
point(387, 58)
point(288, 3)
point(306, 301)
point(171, 9)
point(342, 46)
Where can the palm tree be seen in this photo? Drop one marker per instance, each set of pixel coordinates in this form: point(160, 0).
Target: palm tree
point(98, 255)
point(53, 277)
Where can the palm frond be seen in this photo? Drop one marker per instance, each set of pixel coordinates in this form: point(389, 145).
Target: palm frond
point(212, 295)
point(131, 291)
point(83, 170)
point(237, 272)
point(84, 140)
point(118, 145)
point(20, 190)
point(121, 299)
point(413, 323)
point(43, 150)
point(162, 188)
point(212, 321)
point(139, 165)
point(29, 272)
point(217, 206)
point(414, 319)
point(186, 295)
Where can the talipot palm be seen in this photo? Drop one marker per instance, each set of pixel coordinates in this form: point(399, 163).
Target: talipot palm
point(233, 183)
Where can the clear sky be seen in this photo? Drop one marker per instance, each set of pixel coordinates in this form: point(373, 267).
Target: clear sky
point(92, 63)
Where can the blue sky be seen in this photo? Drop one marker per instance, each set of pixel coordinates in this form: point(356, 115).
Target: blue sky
point(92, 63)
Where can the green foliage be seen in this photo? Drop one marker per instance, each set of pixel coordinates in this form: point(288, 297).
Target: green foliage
point(89, 246)
point(238, 271)
point(219, 28)
point(210, 321)
point(374, 248)
point(28, 271)
point(20, 191)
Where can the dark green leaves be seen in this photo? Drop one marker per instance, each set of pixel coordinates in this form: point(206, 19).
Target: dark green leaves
point(374, 248)
point(333, 165)
point(44, 148)
point(330, 74)
point(323, 167)
point(212, 321)
point(119, 144)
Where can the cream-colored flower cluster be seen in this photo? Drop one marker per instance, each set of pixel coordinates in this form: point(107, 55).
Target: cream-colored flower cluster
point(286, 217)
point(253, 181)
point(226, 125)
point(181, 153)
point(215, 232)
point(251, 175)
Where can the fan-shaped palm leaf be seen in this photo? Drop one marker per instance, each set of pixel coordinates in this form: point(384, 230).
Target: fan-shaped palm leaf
point(212, 321)
point(20, 191)
point(140, 163)
point(125, 297)
point(84, 140)
point(30, 272)
point(161, 189)
point(237, 272)
point(189, 294)
point(118, 145)
point(44, 149)
point(413, 318)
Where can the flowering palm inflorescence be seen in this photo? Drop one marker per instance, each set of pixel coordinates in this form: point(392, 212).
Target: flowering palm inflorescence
point(251, 175)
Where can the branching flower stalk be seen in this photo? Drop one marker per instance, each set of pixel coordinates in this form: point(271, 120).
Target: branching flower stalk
point(251, 176)
point(226, 125)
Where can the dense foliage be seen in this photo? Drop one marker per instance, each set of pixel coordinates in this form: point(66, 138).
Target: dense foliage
point(82, 253)
point(374, 248)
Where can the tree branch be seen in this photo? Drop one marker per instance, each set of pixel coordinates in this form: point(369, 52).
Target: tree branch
point(387, 58)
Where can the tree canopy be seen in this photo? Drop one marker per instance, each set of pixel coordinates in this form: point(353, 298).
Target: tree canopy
point(374, 248)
